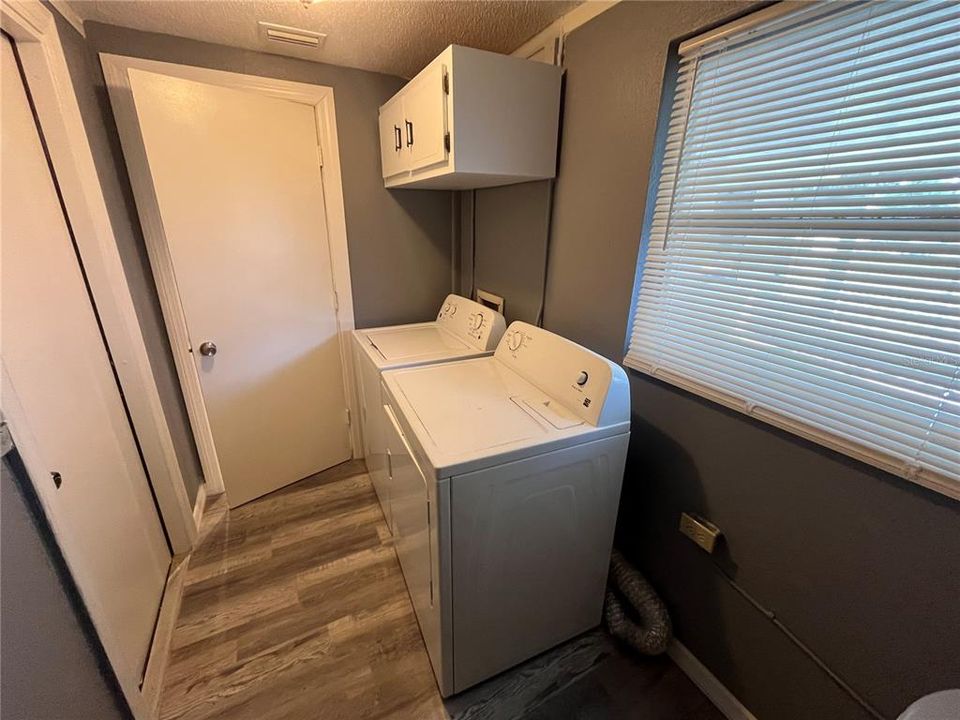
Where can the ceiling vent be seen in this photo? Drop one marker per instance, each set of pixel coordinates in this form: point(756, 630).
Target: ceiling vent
point(291, 36)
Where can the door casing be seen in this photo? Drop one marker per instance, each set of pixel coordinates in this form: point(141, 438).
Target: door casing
point(115, 69)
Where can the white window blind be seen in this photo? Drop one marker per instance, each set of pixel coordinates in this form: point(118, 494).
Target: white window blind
point(803, 260)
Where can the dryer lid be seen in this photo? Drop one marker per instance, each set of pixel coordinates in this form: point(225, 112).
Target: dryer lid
point(479, 407)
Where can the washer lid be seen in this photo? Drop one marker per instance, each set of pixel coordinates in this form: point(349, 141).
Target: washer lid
point(398, 344)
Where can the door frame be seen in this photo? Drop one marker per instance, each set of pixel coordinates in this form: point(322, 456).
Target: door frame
point(34, 31)
point(115, 71)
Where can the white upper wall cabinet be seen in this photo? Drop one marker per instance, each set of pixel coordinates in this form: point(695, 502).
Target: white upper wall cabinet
point(472, 119)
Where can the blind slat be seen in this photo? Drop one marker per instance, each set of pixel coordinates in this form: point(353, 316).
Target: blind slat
point(838, 49)
point(939, 111)
point(832, 291)
point(888, 176)
point(787, 274)
point(778, 383)
point(823, 281)
point(780, 324)
point(822, 24)
point(907, 417)
point(825, 116)
point(844, 82)
point(922, 86)
point(824, 171)
point(935, 128)
point(942, 324)
point(807, 197)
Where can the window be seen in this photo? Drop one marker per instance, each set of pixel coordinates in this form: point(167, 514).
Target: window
point(802, 261)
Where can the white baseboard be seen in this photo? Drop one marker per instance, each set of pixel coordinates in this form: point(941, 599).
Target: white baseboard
point(199, 504)
point(159, 655)
point(725, 700)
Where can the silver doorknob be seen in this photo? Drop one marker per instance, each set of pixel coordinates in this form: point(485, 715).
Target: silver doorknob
point(208, 349)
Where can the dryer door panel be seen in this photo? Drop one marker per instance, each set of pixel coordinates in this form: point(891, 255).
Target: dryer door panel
point(530, 548)
point(414, 518)
point(372, 423)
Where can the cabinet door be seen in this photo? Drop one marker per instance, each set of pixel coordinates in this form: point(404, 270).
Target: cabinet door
point(425, 118)
point(392, 155)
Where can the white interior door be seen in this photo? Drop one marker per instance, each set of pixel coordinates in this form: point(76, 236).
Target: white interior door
point(73, 420)
point(237, 180)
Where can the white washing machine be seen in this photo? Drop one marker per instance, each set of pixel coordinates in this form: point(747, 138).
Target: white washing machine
point(463, 329)
point(505, 474)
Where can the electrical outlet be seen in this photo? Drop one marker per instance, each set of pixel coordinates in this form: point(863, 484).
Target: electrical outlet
point(702, 532)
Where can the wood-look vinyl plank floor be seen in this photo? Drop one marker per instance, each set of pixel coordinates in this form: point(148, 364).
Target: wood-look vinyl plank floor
point(295, 608)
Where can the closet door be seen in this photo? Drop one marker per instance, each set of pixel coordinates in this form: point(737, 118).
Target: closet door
point(65, 408)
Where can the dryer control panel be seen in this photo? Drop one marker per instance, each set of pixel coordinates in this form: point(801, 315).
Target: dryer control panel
point(474, 323)
point(587, 384)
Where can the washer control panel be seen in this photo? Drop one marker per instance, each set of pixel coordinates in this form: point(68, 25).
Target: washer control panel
point(587, 384)
point(480, 326)
point(516, 339)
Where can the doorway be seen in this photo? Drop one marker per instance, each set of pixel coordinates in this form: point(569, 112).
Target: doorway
point(234, 189)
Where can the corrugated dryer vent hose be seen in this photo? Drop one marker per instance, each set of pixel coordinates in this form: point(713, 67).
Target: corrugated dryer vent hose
point(633, 611)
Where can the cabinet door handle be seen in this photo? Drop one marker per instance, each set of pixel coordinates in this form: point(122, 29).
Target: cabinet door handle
point(409, 133)
point(396, 137)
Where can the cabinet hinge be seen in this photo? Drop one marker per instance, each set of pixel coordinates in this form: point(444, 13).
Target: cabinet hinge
point(446, 83)
point(336, 301)
point(320, 154)
point(446, 142)
point(347, 418)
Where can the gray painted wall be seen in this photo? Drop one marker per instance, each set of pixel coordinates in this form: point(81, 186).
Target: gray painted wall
point(51, 669)
point(399, 241)
point(859, 565)
point(510, 229)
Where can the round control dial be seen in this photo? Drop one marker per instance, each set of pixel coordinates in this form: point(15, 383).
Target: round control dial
point(514, 341)
point(476, 321)
point(582, 378)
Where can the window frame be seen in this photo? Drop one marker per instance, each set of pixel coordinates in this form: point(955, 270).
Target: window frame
point(741, 29)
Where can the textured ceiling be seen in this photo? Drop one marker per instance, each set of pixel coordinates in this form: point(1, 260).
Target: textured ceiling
point(398, 37)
